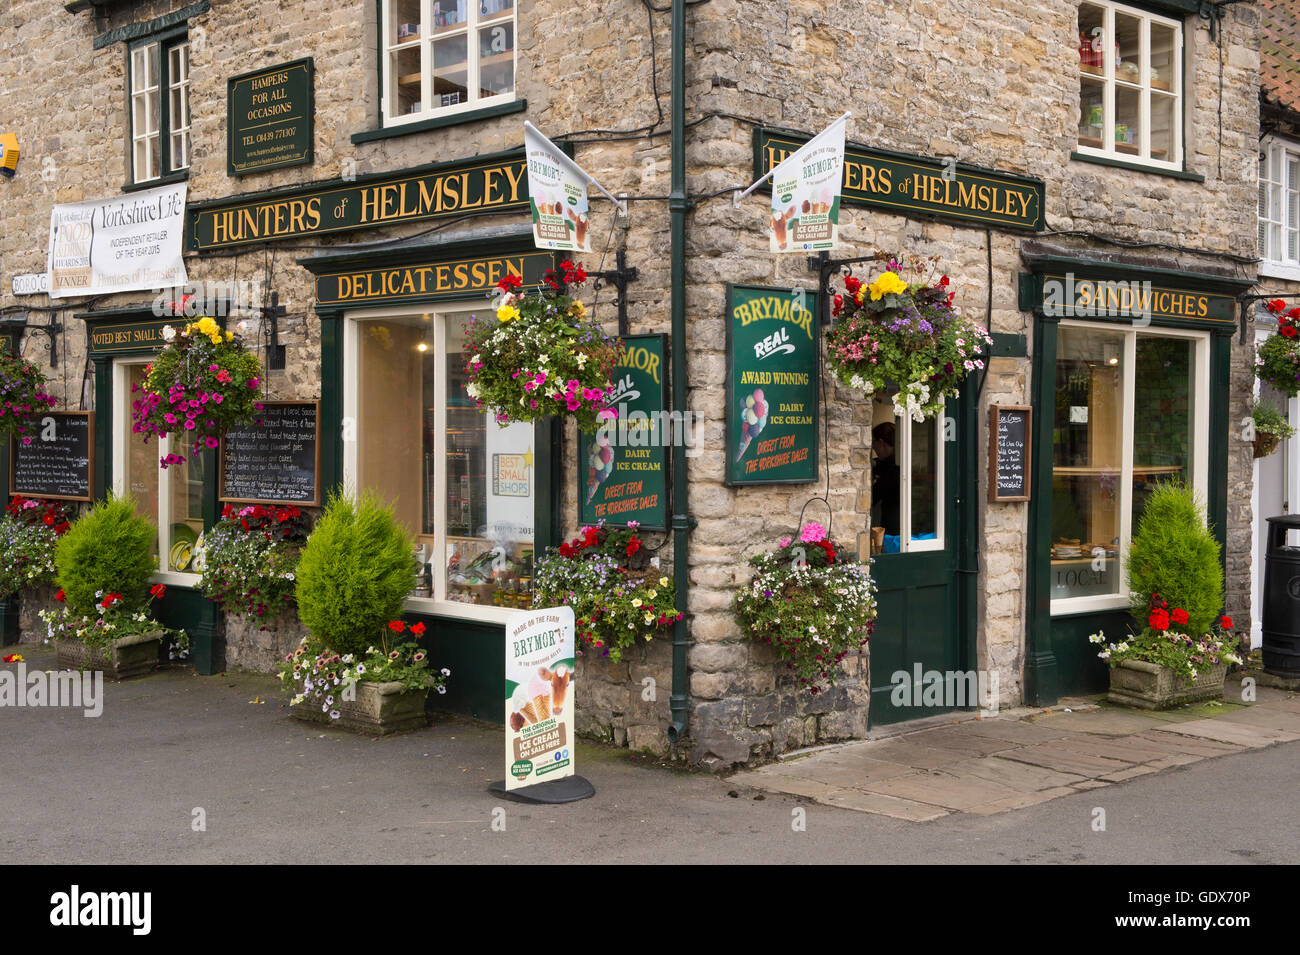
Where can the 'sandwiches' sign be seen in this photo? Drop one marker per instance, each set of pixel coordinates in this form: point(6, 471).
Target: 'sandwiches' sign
point(493, 183)
point(1067, 295)
point(453, 278)
point(920, 185)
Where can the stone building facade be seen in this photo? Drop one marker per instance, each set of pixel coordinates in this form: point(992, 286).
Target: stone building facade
point(993, 87)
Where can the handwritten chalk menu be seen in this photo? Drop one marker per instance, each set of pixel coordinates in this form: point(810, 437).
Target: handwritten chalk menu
point(57, 463)
point(276, 462)
point(1009, 431)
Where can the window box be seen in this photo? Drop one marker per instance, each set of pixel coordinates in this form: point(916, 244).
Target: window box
point(1130, 85)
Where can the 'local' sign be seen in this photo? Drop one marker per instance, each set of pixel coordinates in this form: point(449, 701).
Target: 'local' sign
point(919, 185)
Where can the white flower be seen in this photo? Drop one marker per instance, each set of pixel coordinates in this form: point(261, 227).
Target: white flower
point(543, 359)
point(168, 333)
point(446, 672)
point(334, 714)
point(582, 360)
point(361, 669)
point(477, 359)
point(442, 689)
point(472, 389)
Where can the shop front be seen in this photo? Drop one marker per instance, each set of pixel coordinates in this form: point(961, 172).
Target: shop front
point(482, 500)
point(1131, 388)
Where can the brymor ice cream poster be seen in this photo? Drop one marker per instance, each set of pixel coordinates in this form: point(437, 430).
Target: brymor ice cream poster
point(539, 696)
point(806, 193)
point(772, 385)
point(557, 191)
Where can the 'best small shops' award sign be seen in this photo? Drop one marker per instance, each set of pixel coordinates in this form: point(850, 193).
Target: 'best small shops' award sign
point(539, 696)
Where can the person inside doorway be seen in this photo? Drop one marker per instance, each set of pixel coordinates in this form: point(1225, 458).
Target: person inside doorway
point(885, 483)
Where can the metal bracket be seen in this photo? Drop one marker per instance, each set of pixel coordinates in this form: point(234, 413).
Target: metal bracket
point(619, 277)
point(276, 354)
point(825, 267)
point(51, 330)
point(1245, 302)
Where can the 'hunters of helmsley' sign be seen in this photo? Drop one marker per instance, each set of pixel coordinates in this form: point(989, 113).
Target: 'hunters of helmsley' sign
point(919, 185)
point(497, 182)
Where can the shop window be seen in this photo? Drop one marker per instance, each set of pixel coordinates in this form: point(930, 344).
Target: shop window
point(462, 484)
point(446, 56)
point(906, 483)
point(1130, 412)
point(1279, 209)
point(173, 498)
point(1130, 84)
point(159, 78)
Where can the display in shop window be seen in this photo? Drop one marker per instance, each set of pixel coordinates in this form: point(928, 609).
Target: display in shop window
point(275, 460)
point(891, 333)
point(772, 386)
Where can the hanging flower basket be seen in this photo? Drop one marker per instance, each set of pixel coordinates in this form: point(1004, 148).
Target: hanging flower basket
point(203, 382)
point(22, 398)
point(910, 335)
point(539, 355)
point(1277, 360)
point(811, 603)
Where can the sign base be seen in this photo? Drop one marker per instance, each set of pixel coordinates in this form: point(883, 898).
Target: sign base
point(553, 792)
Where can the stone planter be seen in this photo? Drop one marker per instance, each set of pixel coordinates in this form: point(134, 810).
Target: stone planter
point(128, 657)
point(379, 709)
point(1149, 686)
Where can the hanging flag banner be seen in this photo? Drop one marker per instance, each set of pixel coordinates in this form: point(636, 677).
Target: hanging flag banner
point(118, 245)
point(539, 696)
point(557, 192)
point(806, 193)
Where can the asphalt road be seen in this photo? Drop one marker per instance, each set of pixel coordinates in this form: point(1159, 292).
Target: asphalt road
point(125, 787)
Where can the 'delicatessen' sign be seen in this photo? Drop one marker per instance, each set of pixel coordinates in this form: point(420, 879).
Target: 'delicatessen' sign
point(622, 468)
point(451, 278)
point(918, 185)
point(270, 118)
point(772, 368)
point(496, 182)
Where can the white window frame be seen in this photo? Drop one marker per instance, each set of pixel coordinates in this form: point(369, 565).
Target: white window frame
point(121, 436)
point(1200, 389)
point(424, 43)
point(167, 125)
point(1279, 208)
point(1109, 81)
point(903, 454)
point(437, 604)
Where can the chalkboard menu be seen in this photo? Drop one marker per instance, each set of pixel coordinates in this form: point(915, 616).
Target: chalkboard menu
point(623, 467)
point(276, 462)
point(772, 368)
point(57, 464)
point(1009, 432)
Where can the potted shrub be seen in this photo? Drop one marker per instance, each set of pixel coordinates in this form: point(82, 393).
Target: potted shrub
point(1277, 360)
point(1271, 428)
point(250, 559)
point(618, 599)
point(22, 397)
point(811, 603)
point(1182, 651)
point(353, 578)
point(203, 381)
point(540, 355)
point(103, 565)
point(909, 335)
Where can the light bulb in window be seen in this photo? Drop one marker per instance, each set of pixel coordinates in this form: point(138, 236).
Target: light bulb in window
point(1112, 355)
point(422, 347)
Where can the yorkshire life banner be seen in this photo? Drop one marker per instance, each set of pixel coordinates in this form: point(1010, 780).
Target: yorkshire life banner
point(118, 245)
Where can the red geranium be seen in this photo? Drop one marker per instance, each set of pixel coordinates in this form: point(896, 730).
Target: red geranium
point(829, 548)
point(633, 546)
point(1159, 619)
point(396, 626)
point(1179, 615)
point(158, 591)
point(1287, 331)
point(1225, 622)
point(418, 629)
point(1277, 305)
point(60, 596)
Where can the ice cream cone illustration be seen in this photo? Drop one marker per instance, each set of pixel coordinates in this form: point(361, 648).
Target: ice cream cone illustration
point(542, 703)
point(600, 465)
point(753, 418)
point(529, 712)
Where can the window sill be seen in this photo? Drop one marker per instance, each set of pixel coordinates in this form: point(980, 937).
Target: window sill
point(166, 180)
point(455, 119)
point(471, 613)
point(1076, 606)
point(1279, 270)
point(1137, 167)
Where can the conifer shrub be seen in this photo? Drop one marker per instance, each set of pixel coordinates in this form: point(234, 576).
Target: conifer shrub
point(107, 550)
point(355, 573)
point(1174, 554)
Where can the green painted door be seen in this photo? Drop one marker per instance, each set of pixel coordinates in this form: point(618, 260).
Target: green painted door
point(923, 588)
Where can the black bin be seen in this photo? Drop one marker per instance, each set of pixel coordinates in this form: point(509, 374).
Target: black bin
point(1281, 622)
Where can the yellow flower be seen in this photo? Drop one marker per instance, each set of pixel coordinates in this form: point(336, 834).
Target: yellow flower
point(230, 336)
point(663, 581)
point(215, 339)
point(507, 313)
point(206, 326)
point(578, 309)
point(887, 284)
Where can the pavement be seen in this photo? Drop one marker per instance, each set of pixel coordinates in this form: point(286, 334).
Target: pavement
point(985, 766)
point(181, 768)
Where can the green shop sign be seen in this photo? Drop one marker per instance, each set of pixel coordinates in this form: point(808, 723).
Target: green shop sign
point(270, 118)
point(772, 368)
point(496, 183)
point(918, 185)
point(1128, 297)
point(114, 337)
point(444, 278)
point(622, 472)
